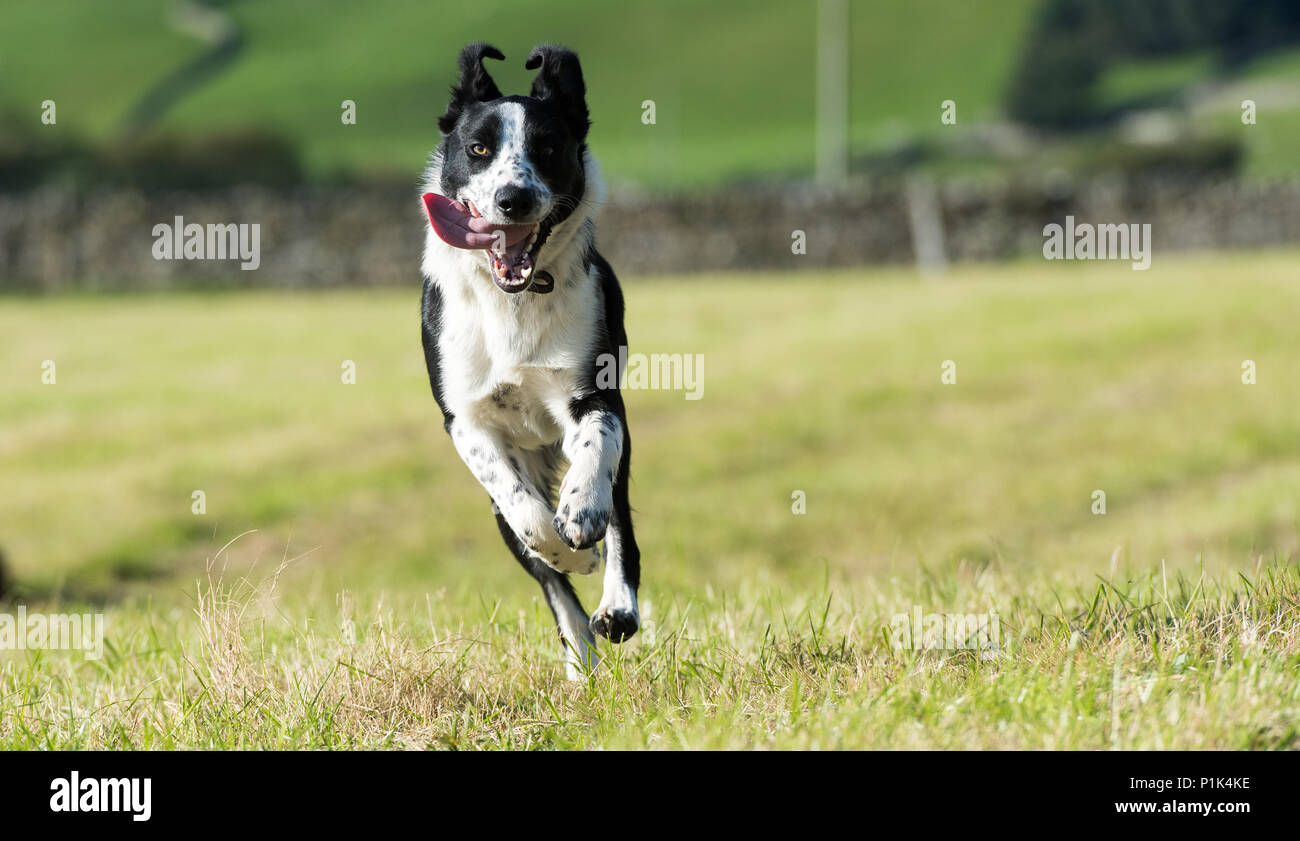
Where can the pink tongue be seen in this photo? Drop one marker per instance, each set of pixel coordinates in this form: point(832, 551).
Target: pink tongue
point(456, 226)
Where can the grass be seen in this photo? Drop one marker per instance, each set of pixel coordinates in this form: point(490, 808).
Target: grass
point(733, 81)
point(1169, 621)
point(1114, 663)
point(1213, 102)
point(750, 93)
point(1140, 80)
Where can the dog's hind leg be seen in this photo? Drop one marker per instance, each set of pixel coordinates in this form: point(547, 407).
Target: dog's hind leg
point(580, 656)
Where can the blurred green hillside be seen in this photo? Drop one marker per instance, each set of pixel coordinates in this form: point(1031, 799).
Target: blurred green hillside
point(732, 81)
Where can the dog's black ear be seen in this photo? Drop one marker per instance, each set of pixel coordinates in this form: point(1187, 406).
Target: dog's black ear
point(559, 82)
point(474, 85)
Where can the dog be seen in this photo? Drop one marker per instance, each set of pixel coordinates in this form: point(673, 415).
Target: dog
point(518, 308)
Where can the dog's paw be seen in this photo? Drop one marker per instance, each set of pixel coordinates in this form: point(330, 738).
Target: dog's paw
point(583, 512)
point(531, 523)
point(616, 624)
point(572, 561)
point(580, 528)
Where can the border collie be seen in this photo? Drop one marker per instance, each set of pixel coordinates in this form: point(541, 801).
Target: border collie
point(518, 306)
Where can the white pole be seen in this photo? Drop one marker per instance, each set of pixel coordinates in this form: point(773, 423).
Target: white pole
point(926, 215)
point(832, 91)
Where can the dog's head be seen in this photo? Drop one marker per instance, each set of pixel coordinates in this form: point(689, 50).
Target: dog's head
point(512, 167)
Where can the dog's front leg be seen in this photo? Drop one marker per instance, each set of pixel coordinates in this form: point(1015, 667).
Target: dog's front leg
point(594, 504)
point(593, 443)
point(519, 497)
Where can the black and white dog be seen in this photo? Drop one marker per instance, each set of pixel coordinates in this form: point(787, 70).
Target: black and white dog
point(519, 310)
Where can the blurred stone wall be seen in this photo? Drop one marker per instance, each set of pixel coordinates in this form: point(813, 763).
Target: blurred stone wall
point(53, 240)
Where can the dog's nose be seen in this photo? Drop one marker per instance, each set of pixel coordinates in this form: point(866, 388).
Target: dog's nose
point(515, 202)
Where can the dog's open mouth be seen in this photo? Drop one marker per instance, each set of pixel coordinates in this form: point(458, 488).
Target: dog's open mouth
point(511, 249)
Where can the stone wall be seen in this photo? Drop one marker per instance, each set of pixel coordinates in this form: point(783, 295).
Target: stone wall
point(52, 240)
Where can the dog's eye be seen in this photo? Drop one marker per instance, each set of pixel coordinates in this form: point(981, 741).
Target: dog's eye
point(478, 149)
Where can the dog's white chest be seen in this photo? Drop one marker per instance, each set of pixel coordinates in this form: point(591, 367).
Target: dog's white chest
point(521, 407)
point(511, 364)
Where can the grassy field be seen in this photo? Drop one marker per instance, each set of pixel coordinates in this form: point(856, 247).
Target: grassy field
point(346, 586)
point(733, 74)
point(751, 92)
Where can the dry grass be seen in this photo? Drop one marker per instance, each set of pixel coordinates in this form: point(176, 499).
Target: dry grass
point(1145, 662)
